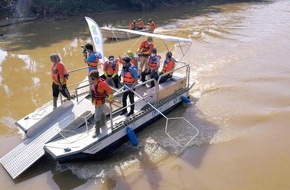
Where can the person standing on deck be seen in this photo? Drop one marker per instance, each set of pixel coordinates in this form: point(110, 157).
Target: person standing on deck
point(130, 79)
point(111, 68)
point(99, 91)
point(144, 51)
point(91, 58)
point(134, 58)
point(153, 63)
point(59, 77)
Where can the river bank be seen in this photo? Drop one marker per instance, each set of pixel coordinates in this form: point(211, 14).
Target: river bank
point(11, 21)
point(29, 8)
point(13, 12)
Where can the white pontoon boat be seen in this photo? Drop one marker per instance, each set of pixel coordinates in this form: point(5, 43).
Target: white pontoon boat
point(65, 134)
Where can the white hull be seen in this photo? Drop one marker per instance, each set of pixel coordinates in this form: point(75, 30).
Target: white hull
point(67, 131)
point(84, 144)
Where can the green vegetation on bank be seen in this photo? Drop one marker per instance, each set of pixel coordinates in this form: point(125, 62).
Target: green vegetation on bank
point(47, 8)
point(43, 8)
point(74, 7)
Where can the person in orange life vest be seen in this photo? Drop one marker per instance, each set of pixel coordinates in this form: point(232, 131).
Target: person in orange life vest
point(153, 66)
point(134, 58)
point(59, 77)
point(151, 24)
point(130, 79)
point(111, 68)
point(132, 25)
point(168, 66)
point(140, 24)
point(91, 58)
point(99, 91)
point(144, 51)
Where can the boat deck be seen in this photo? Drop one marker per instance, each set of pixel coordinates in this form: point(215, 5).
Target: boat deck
point(69, 129)
point(30, 150)
point(80, 139)
point(73, 141)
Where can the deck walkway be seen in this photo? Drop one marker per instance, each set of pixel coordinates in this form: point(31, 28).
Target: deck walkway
point(29, 151)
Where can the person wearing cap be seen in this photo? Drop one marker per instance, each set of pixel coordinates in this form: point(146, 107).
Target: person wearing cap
point(132, 25)
point(134, 58)
point(59, 77)
point(111, 69)
point(99, 91)
point(144, 51)
point(168, 66)
point(130, 79)
point(153, 63)
point(91, 58)
point(140, 24)
point(151, 24)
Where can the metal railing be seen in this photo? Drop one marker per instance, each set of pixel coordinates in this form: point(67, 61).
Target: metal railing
point(118, 92)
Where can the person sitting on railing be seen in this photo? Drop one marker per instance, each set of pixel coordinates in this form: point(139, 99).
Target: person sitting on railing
point(99, 91)
point(111, 68)
point(153, 63)
point(168, 65)
point(59, 77)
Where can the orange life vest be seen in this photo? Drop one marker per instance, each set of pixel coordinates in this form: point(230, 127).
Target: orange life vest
point(145, 47)
point(132, 26)
point(152, 25)
point(153, 62)
point(141, 24)
point(110, 68)
point(94, 64)
point(168, 65)
point(99, 94)
point(127, 76)
point(58, 70)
